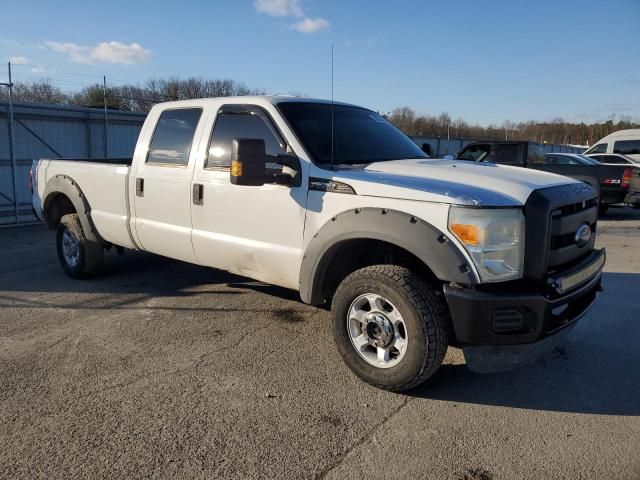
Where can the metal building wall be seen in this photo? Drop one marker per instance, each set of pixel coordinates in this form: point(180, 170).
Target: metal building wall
point(50, 131)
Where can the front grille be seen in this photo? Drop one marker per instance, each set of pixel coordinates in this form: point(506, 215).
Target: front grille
point(553, 215)
point(575, 207)
point(567, 239)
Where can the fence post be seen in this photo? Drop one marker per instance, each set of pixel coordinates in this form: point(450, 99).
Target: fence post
point(12, 155)
point(106, 121)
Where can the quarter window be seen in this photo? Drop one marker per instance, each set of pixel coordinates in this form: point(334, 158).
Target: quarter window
point(230, 126)
point(627, 147)
point(173, 136)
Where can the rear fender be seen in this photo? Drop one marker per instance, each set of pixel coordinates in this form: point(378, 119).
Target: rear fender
point(65, 185)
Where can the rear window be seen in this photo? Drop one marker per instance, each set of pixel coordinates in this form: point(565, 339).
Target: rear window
point(173, 136)
point(507, 154)
point(535, 154)
point(627, 147)
point(475, 153)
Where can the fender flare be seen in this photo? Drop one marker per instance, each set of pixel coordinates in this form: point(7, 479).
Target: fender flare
point(406, 231)
point(65, 185)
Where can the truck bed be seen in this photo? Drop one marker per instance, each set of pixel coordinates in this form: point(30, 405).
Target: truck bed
point(104, 183)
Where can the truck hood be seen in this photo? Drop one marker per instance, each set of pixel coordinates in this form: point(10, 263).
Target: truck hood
point(449, 181)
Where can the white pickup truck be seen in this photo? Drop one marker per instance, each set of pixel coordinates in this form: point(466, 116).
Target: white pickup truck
point(331, 200)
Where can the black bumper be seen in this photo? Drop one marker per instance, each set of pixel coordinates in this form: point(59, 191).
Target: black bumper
point(521, 317)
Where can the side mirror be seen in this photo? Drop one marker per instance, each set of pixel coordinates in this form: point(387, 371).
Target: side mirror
point(248, 162)
point(449, 157)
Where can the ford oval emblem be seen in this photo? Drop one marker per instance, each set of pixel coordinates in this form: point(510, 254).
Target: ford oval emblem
point(583, 235)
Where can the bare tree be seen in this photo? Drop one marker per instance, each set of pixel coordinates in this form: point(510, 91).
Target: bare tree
point(42, 91)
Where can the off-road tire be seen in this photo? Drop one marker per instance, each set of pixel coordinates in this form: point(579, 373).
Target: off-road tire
point(89, 253)
point(425, 315)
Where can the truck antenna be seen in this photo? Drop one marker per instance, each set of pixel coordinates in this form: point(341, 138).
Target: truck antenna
point(332, 104)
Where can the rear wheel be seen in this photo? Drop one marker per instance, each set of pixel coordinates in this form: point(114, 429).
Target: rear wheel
point(79, 257)
point(390, 327)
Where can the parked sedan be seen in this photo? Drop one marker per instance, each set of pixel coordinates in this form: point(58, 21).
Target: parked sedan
point(614, 159)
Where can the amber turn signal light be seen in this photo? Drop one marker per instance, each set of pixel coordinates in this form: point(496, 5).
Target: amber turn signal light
point(236, 168)
point(468, 234)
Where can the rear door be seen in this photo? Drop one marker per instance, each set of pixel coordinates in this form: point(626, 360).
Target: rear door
point(163, 184)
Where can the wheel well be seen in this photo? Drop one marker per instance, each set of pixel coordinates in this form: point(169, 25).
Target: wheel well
point(56, 206)
point(351, 255)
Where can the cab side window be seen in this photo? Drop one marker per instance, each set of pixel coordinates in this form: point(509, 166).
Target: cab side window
point(475, 153)
point(173, 136)
point(229, 126)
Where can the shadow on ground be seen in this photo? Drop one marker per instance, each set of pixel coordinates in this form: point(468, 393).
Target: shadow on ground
point(596, 370)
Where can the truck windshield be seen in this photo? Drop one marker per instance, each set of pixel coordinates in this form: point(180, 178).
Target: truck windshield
point(360, 136)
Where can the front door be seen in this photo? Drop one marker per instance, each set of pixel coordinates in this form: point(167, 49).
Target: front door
point(163, 185)
point(253, 231)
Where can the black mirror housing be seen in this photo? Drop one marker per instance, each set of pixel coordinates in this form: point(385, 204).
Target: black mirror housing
point(248, 162)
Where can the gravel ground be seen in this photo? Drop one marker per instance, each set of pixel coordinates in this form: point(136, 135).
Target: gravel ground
point(167, 370)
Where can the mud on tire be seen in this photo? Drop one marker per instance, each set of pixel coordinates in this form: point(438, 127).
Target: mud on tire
point(79, 257)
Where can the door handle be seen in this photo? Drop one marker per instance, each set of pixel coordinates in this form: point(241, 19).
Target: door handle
point(140, 187)
point(198, 193)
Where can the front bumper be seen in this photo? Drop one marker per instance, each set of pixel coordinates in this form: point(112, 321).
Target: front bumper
point(489, 318)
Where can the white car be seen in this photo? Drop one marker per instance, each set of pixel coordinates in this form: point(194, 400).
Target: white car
point(623, 142)
point(333, 201)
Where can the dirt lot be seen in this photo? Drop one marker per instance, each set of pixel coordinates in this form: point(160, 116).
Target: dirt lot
point(162, 369)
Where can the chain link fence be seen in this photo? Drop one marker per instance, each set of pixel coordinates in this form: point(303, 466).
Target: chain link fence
point(50, 131)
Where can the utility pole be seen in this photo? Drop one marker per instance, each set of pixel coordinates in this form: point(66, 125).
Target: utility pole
point(12, 155)
point(106, 120)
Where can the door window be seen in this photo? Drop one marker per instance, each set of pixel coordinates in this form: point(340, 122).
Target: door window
point(599, 148)
point(615, 159)
point(560, 160)
point(230, 126)
point(173, 136)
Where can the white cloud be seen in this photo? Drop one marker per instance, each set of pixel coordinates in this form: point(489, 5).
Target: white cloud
point(104, 52)
point(279, 8)
point(18, 60)
point(77, 53)
point(311, 25)
point(39, 70)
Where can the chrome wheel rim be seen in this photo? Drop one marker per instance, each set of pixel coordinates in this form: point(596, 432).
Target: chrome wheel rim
point(377, 330)
point(70, 248)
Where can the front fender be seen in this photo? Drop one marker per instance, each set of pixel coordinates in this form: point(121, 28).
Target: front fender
point(414, 235)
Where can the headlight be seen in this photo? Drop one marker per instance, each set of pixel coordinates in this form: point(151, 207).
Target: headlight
point(494, 237)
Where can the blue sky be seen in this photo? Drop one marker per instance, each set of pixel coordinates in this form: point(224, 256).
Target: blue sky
point(485, 61)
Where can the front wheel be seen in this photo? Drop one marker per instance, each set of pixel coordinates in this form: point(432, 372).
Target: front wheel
point(390, 327)
point(79, 257)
